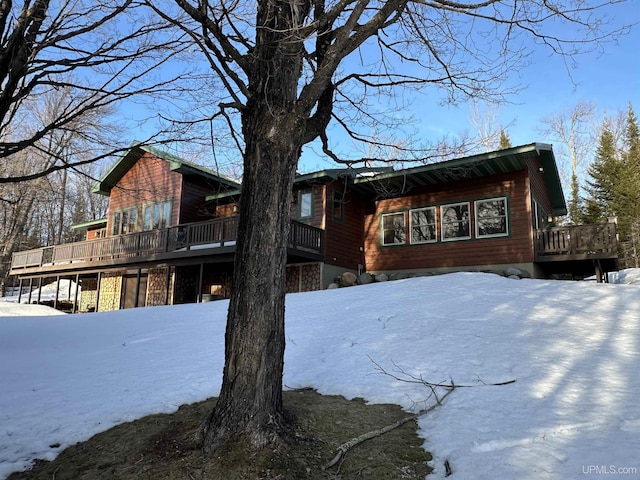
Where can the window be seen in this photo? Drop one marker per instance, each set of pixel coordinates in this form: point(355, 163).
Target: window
point(305, 204)
point(157, 215)
point(393, 229)
point(337, 206)
point(455, 221)
point(423, 225)
point(491, 217)
point(125, 221)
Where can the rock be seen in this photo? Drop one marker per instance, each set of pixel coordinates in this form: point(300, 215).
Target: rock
point(332, 286)
point(348, 279)
point(514, 277)
point(382, 277)
point(510, 272)
point(365, 278)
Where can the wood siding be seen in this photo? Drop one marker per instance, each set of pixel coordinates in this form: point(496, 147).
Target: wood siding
point(318, 218)
point(149, 180)
point(538, 188)
point(192, 202)
point(517, 247)
point(344, 238)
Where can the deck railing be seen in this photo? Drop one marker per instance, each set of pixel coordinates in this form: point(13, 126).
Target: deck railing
point(578, 242)
point(180, 238)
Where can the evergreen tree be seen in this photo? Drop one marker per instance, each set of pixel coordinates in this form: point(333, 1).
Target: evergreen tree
point(505, 141)
point(614, 188)
point(629, 194)
point(604, 172)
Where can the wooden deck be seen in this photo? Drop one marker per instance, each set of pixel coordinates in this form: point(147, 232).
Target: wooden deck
point(572, 243)
point(173, 242)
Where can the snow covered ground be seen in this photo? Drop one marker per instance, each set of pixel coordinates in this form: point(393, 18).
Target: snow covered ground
point(48, 293)
point(573, 349)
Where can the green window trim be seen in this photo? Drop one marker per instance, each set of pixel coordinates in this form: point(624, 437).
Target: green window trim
point(393, 228)
point(455, 221)
point(491, 217)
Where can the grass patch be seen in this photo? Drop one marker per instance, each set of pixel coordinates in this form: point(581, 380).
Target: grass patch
point(160, 447)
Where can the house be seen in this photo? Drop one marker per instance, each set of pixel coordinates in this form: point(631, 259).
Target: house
point(170, 233)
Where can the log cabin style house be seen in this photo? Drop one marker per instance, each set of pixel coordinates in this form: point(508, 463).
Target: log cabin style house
point(170, 233)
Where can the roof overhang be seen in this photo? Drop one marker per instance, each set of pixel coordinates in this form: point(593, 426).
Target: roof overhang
point(92, 224)
point(475, 166)
point(176, 164)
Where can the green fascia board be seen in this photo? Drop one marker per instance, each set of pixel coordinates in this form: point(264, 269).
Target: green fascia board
point(335, 173)
point(126, 161)
point(90, 223)
point(484, 164)
point(321, 176)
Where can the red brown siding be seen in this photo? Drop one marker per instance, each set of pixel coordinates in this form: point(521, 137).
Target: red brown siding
point(149, 180)
point(515, 248)
point(344, 238)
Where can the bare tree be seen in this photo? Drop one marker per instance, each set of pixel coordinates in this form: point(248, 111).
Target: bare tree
point(283, 65)
point(100, 53)
point(573, 128)
point(40, 208)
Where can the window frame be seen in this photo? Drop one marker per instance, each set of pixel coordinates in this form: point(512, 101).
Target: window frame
point(337, 196)
point(443, 223)
point(383, 229)
point(435, 225)
point(505, 201)
point(162, 208)
point(301, 195)
point(121, 223)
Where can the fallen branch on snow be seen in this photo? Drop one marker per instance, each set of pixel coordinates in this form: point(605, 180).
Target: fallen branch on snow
point(448, 387)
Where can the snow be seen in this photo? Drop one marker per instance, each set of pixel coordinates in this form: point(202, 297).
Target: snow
point(573, 349)
point(48, 293)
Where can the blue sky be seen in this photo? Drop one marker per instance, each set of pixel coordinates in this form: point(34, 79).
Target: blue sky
point(610, 79)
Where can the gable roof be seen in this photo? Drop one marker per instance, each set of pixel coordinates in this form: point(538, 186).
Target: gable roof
point(176, 164)
point(476, 166)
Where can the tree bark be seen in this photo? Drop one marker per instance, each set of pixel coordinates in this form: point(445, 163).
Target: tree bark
point(250, 401)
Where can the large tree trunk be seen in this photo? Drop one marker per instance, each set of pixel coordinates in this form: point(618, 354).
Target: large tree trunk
point(250, 402)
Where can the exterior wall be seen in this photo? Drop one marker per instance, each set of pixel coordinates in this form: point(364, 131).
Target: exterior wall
point(304, 277)
point(96, 233)
point(110, 291)
point(194, 191)
point(319, 197)
point(538, 188)
point(344, 238)
point(157, 286)
point(149, 180)
point(227, 210)
point(88, 294)
point(515, 248)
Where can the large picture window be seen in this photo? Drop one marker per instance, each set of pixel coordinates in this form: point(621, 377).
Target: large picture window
point(491, 217)
point(393, 229)
point(125, 221)
point(423, 225)
point(455, 221)
point(157, 215)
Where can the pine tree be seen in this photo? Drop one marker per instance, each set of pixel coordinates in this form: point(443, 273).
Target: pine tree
point(629, 195)
point(505, 141)
point(604, 172)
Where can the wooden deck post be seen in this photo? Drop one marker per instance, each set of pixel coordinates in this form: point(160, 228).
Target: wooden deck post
point(74, 307)
point(55, 300)
point(39, 290)
point(19, 291)
point(98, 291)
